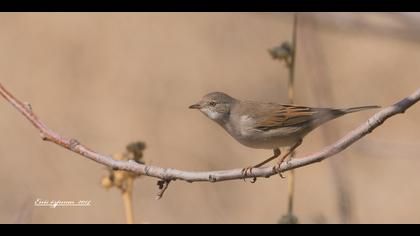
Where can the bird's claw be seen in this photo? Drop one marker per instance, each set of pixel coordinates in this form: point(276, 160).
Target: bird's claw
point(276, 168)
point(245, 174)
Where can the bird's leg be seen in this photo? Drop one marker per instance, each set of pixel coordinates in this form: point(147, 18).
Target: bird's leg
point(249, 169)
point(276, 153)
point(277, 166)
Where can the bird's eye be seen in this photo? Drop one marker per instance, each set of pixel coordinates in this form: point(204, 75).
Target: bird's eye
point(212, 103)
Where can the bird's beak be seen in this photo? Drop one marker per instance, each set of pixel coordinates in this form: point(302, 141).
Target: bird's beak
point(195, 106)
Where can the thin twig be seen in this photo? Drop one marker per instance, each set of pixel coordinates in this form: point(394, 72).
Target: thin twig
point(292, 176)
point(212, 176)
point(163, 185)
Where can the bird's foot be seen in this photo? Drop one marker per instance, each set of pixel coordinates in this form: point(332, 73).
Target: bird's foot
point(245, 174)
point(276, 168)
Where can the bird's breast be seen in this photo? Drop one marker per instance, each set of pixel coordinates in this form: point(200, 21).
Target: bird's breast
point(243, 130)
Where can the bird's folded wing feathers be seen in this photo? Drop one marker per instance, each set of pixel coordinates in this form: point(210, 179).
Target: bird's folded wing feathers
point(278, 116)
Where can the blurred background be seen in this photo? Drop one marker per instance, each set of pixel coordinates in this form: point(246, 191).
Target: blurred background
point(108, 79)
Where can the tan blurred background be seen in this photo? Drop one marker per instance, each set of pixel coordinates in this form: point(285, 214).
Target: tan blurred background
point(109, 79)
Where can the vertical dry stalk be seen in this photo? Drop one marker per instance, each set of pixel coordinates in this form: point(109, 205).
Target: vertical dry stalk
point(127, 198)
point(123, 180)
point(287, 52)
point(292, 177)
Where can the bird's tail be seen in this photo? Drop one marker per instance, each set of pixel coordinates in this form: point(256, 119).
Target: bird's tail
point(330, 114)
point(356, 109)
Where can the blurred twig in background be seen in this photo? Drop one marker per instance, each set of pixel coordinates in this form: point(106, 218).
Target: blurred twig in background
point(320, 81)
point(167, 175)
point(287, 52)
point(123, 180)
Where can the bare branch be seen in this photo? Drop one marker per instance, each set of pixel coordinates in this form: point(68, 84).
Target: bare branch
point(168, 174)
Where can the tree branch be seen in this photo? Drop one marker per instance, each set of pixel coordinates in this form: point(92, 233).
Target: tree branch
point(169, 174)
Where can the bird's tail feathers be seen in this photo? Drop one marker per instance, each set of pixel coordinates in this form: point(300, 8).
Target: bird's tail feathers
point(356, 109)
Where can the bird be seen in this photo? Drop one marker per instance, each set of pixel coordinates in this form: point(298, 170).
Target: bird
point(267, 125)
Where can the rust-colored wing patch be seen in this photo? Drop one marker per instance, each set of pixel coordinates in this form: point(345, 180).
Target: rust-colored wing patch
point(285, 116)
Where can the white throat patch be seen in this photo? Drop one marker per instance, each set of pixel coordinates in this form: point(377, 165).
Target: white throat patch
point(211, 114)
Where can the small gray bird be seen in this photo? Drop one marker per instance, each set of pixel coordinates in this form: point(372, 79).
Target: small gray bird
point(264, 125)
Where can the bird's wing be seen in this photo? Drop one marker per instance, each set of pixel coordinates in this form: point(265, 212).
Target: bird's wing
point(273, 116)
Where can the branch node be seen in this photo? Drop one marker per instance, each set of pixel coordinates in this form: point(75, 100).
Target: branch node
point(146, 170)
point(212, 178)
point(44, 137)
point(28, 106)
point(73, 144)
